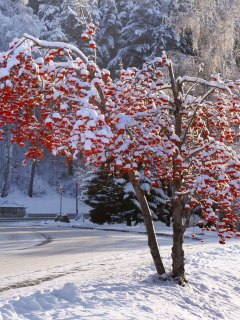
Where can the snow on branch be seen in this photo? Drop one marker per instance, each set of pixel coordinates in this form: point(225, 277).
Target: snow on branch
point(224, 86)
point(59, 45)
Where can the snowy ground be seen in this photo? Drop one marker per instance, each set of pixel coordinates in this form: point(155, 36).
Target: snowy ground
point(117, 284)
point(125, 286)
point(48, 203)
point(213, 293)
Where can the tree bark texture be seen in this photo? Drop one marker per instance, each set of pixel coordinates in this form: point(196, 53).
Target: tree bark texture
point(147, 217)
point(8, 148)
point(129, 221)
point(178, 264)
point(70, 168)
point(32, 178)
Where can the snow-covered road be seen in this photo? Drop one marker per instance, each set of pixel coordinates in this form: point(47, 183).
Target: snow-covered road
point(26, 253)
point(32, 255)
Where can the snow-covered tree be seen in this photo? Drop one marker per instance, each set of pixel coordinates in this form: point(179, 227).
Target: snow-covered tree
point(124, 8)
point(34, 4)
point(110, 29)
point(181, 129)
point(137, 37)
point(50, 14)
point(16, 18)
point(157, 200)
point(113, 199)
point(99, 195)
point(212, 29)
point(74, 17)
point(110, 198)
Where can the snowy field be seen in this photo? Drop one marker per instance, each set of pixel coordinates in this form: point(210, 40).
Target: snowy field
point(125, 286)
point(48, 203)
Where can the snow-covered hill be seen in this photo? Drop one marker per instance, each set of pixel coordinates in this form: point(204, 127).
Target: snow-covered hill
point(47, 203)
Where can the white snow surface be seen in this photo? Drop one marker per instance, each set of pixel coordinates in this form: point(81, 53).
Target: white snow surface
point(212, 293)
point(127, 287)
point(47, 203)
point(123, 286)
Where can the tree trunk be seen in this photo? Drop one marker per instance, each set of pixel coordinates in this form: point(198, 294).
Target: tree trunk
point(148, 221)
point(8, 162)
point(70, 168)
point(129, 221)
point(32, 178)
point(178, 263)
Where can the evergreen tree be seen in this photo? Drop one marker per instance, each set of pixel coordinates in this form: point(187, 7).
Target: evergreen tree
point(72, 22)
point(157, 200)
point(179, 6)
point(66, 20)
point(166, 39)
point(34, 4)
point(124, 8)
point(50, 13)
point(99, 194)
point(113, 200)
point(16, 18)
point(128, 208)
point(110, 29)
point(137, 37)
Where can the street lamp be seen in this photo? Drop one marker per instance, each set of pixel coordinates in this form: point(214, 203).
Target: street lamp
point(61, 192)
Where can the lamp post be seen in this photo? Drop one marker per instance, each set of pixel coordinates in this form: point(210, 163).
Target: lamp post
point(61, 191)
point(77, 189)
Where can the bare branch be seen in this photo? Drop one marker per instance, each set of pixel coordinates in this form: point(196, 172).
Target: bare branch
point(202, 81)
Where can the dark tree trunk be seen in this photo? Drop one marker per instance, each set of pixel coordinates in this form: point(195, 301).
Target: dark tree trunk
point(8, 148)
point(32, 178)
point(129, 221)
point(70, 168)
point(178, 263)
point(6, 180)
point(148, 221)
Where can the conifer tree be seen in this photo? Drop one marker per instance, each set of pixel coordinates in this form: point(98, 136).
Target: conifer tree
point(34, 4)
point(72, 22)
point(99, 196)
point(138, 35)
point(16, 18)
point(113, 199)
point(124, 8)
point(110, 30)
point(50, 15)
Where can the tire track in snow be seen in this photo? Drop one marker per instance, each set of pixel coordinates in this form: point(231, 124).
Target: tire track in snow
point(48, 239)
